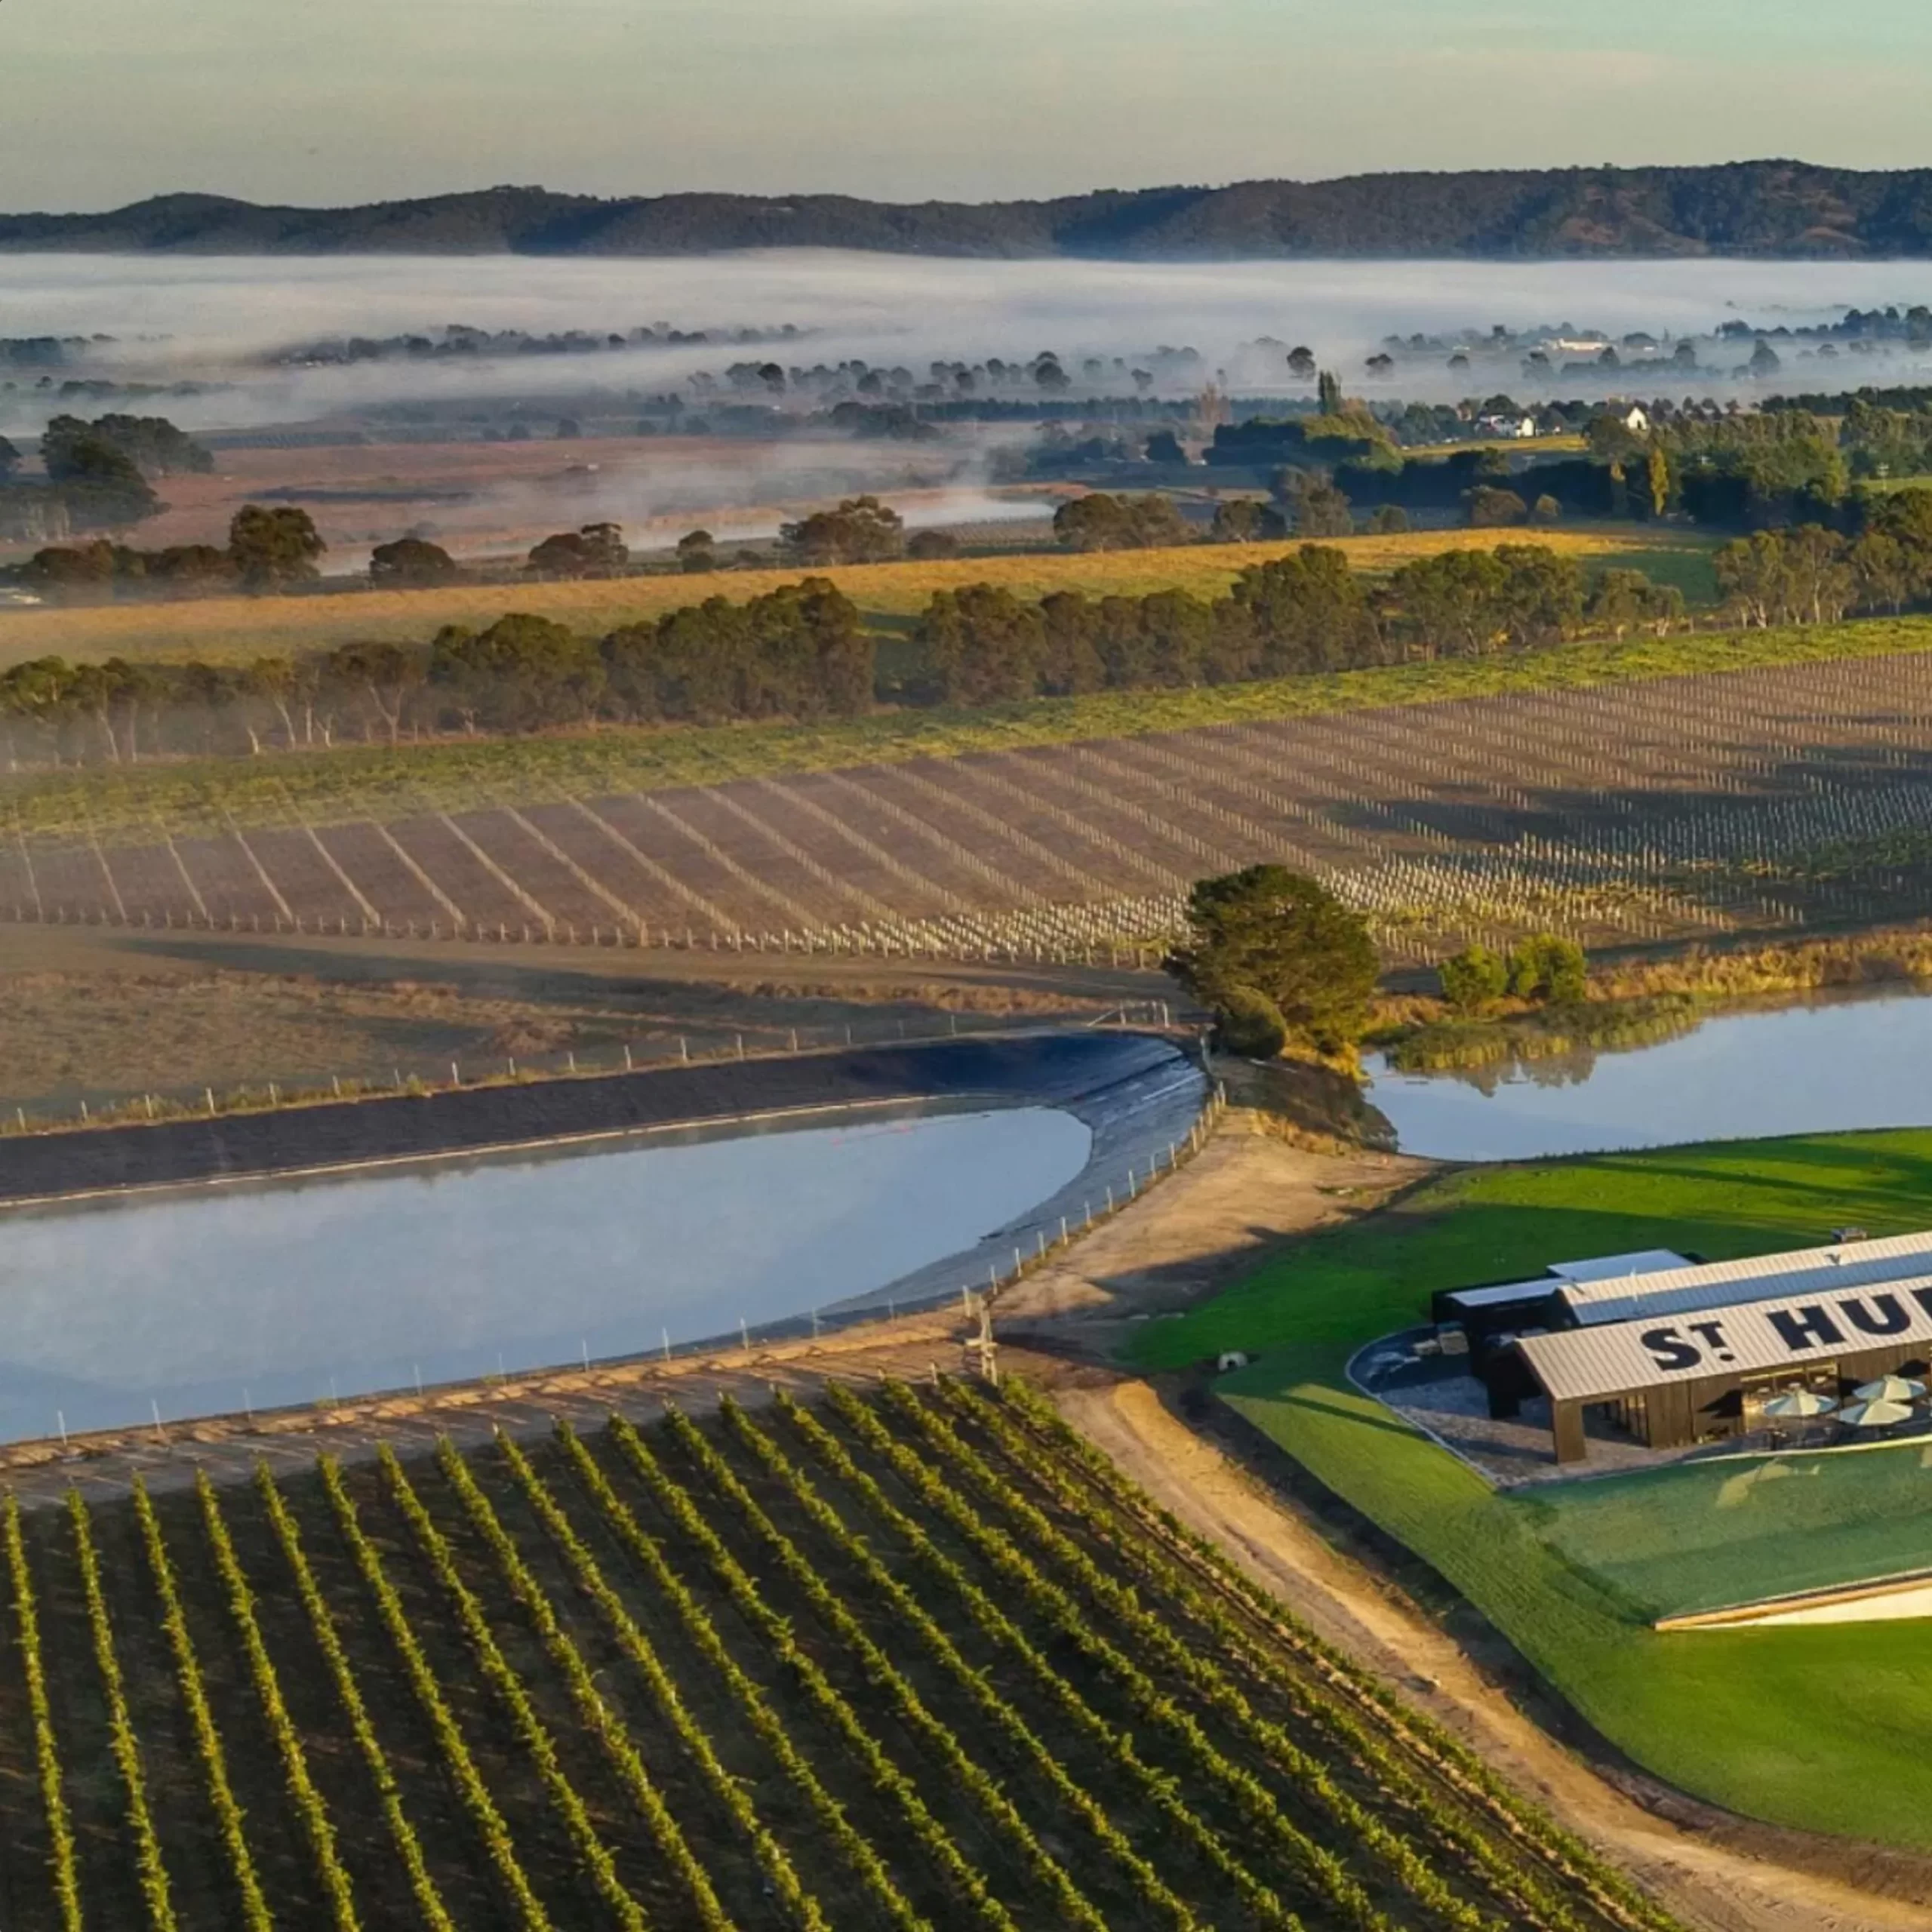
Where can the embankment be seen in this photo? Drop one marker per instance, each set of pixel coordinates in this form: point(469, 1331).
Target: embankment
point(1052, 1068)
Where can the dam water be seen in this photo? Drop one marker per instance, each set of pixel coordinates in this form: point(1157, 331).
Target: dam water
point(1829, 1066)
point(207, 1299)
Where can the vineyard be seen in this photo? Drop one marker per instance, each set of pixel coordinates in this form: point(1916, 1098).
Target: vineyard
point(915, 1658)
point(1760, 799)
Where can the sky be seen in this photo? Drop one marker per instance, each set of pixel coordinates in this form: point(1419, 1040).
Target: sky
point(108, 101)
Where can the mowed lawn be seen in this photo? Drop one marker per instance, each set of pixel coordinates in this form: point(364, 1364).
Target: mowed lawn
point(1710, 1535)
point(228, 628)
point(1820, 1727)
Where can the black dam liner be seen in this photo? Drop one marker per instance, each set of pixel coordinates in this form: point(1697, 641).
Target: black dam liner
point(1044, 1069)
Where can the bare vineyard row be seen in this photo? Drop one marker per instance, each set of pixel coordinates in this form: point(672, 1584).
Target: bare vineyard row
point(1647, 809)
point(898, 1662)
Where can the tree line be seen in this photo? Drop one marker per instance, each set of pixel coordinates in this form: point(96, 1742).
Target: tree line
point(799, 652)
point(1812, 573)
point(1308, 612)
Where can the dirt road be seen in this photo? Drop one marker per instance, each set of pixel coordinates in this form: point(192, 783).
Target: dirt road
point(1248, 1191)
point(1710, 1884)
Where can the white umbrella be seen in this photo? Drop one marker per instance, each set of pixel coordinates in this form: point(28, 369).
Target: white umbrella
point(1892, 1388)
point(1800, 1402)
point(1875, 1415)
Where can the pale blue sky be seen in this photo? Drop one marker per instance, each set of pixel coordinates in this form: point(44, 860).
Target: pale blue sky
point(107, 101)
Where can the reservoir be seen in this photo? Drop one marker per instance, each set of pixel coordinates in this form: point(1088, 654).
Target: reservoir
point(1825, 1066)
point(200, 1300)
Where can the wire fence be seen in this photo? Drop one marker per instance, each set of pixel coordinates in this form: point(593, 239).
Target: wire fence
point(406, 1403)
point(465, 1072)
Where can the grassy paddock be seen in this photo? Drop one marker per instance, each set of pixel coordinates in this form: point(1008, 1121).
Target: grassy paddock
point(1819, 1727)
point(227, 629)
point(356, 781)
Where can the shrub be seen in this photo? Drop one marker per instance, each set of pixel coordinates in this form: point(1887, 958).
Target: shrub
point(1474, 978)
point(1491, 508)
point(1546, 966)
point(1250, 1024)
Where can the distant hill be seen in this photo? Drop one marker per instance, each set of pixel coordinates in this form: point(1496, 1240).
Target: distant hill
point(1758, 208)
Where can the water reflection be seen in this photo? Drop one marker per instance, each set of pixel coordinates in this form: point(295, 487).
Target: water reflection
point(1825, 1066)
point(290, 1291)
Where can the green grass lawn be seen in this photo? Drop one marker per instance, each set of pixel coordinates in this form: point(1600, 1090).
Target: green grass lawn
point(1709, 1535)
point(1821, 1727)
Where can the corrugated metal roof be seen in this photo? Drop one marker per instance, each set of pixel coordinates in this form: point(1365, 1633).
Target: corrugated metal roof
point(1607, 1267)
point(1503, 1292)
point(1588, 1365)
point(1721, 1284)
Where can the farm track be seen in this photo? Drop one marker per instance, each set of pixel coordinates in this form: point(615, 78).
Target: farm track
point(893, 1659)
point(1751, 800)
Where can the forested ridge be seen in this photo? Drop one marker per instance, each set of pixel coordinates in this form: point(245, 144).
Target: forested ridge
point(1754, 207)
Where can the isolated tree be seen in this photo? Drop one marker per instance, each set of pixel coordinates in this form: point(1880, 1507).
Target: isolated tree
point(1316, 508)
point(1488, 508)
point(1163, 447)
point(1279, 934)
point(273, 547)
point(410, 563)
point(151, 444)
point(193, 569)
point(697, 552)
point(930, 546)
point(1389, 520)
point(1247, 520)
point(604, 546)
point(565, 554)
point(102, 486)
point(861, 529)
point(1301, 363)
point(1328, 393)
point(1099, 521)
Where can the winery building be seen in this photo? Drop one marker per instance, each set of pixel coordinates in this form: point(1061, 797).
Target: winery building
point(1675, 1352)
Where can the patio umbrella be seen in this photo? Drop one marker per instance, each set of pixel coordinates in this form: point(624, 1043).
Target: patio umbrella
point(1800, 1403)
point(1875, 1415)
point(1892, 1388)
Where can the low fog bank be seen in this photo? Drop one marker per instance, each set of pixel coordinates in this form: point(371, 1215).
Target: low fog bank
point(205, 318)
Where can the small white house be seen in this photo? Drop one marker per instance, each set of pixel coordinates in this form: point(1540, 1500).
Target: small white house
point(1636, 420)
point(1513, 428)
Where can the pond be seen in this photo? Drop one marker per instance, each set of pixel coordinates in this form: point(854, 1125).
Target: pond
point(206, 1300)
point(1824, 1066)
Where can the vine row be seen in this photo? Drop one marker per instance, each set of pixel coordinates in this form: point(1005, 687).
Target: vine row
point(471, 1789)
point(764, 1719)
point(1153, 1891)
point(208, 1735)
point(625, 1759)
point(46, 1746)
point(127, 1748)
point(315, 1820)
point(932, 1837)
